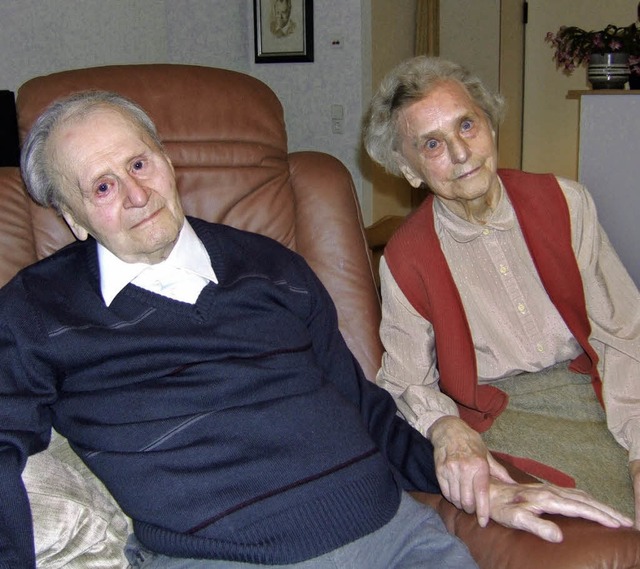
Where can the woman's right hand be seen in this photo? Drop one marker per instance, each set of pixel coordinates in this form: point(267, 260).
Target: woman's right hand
point(464, 466)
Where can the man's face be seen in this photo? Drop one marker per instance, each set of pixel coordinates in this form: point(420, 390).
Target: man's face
point(446, 142)
point(283, 11)
point(117, 186)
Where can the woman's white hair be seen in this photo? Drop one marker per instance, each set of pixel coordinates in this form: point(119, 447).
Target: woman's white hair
point(409, 82)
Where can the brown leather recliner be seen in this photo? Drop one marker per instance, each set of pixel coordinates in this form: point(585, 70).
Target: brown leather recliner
point(226, 137)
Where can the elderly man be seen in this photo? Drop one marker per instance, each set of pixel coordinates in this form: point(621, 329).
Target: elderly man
point(497, 282)
point(199, 372)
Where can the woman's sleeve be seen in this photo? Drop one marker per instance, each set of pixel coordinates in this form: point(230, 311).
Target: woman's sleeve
point(409, 371)
point(613, 306)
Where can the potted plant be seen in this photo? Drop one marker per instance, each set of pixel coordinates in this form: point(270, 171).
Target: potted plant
point(609, 52)
point(633, 41)
point(633, 49)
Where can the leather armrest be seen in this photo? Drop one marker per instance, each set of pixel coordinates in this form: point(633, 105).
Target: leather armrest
point(326, 199)
point(17, 248)
point(586, 545)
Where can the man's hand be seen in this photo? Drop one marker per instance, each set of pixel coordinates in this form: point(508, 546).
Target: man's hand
point(464, 466)
point(634, 471)
point(520, 506)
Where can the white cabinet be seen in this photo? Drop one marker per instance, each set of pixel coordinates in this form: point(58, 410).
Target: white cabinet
point(609, 165)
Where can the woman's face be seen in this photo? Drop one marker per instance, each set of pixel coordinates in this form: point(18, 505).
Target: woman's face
point(447, 143)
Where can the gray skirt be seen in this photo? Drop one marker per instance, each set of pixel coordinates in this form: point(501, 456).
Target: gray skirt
point(554, 417)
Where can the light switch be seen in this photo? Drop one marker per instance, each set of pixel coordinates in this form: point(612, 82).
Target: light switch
point(337, 119)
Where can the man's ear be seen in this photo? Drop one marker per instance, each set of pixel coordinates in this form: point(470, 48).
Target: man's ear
point(408, 172)
point(78, 230)
point(173, 170)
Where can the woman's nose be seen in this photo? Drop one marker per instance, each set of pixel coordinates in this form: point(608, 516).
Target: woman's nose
point(458, 150)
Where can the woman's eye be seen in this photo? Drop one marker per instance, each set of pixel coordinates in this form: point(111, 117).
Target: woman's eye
point(102, 188)
point(466, 125)
point(138, 165)
point(432, 144)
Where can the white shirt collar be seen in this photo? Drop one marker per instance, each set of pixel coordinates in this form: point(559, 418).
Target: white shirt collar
point(188, 254)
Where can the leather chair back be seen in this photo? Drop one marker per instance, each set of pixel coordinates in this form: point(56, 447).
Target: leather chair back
point(225, 134)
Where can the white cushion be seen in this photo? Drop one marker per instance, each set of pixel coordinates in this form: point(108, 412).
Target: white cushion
point(77, 524)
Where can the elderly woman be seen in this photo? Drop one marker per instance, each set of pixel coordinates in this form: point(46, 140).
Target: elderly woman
point(492, 290)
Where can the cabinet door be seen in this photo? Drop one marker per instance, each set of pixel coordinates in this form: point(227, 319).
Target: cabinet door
point(608, 166)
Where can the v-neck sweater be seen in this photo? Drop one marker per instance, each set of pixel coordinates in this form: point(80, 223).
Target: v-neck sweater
point(240, 427)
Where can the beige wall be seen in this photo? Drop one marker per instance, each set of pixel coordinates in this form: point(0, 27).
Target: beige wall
point(550, 141)
point(392, 36)
point(550, 120)
point(470, 35)
point(487, 36)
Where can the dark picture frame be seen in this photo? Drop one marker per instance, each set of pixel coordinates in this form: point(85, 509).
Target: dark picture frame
point(283, 30)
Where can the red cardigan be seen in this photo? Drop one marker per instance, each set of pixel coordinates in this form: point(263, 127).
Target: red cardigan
point(420, 269)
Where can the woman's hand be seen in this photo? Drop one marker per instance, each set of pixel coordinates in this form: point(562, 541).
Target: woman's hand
point(464, 466)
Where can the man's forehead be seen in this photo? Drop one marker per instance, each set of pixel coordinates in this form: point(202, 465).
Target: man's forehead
point(80, 145)
point(98, 113)
point(94, 128)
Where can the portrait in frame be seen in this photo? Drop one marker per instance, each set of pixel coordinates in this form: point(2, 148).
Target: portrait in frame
point(283, 30)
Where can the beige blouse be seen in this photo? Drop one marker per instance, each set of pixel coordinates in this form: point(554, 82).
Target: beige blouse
point(514, 326)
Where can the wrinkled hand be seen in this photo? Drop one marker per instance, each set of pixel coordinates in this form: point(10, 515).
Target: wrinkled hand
point(634, 471)
point(520, 505)
point(464, 466)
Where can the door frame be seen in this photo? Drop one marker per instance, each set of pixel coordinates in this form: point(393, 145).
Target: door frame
point(513, 15)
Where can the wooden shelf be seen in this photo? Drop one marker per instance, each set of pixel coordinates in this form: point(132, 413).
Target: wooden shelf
point(578, 94)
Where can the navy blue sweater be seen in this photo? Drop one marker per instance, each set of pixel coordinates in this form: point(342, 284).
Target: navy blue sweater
point(238, 428)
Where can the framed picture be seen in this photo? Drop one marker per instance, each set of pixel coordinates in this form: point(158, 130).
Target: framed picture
point(283, 30)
